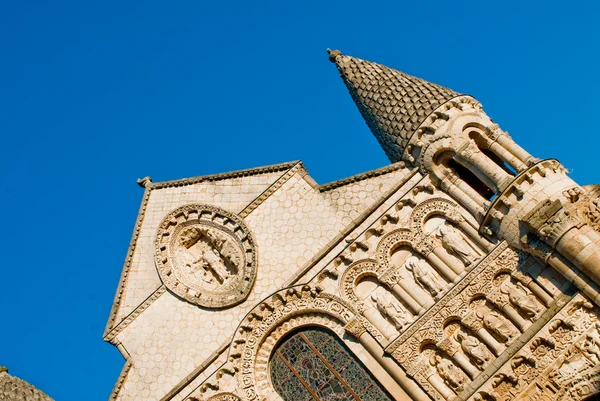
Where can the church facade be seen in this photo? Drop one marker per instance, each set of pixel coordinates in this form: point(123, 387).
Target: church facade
point(467, 269)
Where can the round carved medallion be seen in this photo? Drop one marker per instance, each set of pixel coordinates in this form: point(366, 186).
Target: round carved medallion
point(206, 255)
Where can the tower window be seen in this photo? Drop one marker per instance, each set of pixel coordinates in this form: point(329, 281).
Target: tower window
point(467, 176)
point(314, 364)
point(503, 165)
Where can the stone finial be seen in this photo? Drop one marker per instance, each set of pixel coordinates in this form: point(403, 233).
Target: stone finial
point(393, 104)
point(333, 54)
point(3, 369)
point(144, 182)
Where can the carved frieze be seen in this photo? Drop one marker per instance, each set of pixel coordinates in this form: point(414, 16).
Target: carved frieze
point(206, 255)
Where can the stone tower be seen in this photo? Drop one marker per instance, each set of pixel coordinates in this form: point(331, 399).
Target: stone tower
point(466, 270)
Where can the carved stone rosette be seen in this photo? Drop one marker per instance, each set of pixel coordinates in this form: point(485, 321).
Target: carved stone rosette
point(206, 255)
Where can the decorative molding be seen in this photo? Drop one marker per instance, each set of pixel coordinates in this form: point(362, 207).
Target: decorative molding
point(120, 380)
point(224, 176)
point(362, 176)
point(272, 319)
point(133, 315)
point(206, 255)
point(127, 264)
point(272, 188)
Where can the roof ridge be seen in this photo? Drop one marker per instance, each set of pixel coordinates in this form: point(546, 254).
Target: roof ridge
point(362, 176)
point(223, 176)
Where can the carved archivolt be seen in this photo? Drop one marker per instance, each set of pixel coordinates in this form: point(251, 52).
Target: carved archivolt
point(206, 255)
point(224, 397)
point(267, 323)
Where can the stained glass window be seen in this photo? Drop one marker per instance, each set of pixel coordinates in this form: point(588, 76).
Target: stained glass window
point(313, 364)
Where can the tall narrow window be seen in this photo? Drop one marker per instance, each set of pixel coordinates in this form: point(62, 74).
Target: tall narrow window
point(314, 364)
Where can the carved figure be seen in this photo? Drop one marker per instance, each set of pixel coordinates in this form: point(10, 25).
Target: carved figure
point(424, 275)
point(473, 348)
point(454, 243)
point(523, 301)
point(497, 324)
point(391, 311)
point(452, 375)
point(591, 345)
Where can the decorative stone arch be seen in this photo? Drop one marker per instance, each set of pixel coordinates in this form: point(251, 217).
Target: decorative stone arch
point(352, 275)
point(429, 208)
point(390, 241)
point(267, 323)
point(224, 397)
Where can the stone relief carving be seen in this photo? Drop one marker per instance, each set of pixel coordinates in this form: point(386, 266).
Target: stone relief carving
point(390, 310)
point(497, 324)
point(206, 255)
point(424, 276)
point(482, 337)
point(272, 319)
point(519, 297)
point(474, 349)
point(559, 363)
point(452, 376)
point(455, 244)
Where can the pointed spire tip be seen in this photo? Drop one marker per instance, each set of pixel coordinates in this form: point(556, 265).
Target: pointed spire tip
point(333, 54)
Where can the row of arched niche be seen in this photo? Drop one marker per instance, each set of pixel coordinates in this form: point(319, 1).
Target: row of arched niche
point(393, 293)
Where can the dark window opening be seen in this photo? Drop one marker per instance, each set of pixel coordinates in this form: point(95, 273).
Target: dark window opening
point(467, 176)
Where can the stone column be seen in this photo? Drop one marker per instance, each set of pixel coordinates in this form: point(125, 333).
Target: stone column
point(456, 267)
point(418, 296)
point(506, 156)
point(438, 383)
point(507, 143)
point(391, 367)
point(534, 287)
point(392, 279)
point(469, 198)
point(378, 321)
point(563, 228)
point(413, 305)
point(453, 350)
point(515, 317)
point(485, 169)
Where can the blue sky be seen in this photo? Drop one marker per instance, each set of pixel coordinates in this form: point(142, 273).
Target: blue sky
point(95, 95)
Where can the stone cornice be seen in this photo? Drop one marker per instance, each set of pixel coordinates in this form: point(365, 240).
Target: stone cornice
point(224, 176)
point(362, 176)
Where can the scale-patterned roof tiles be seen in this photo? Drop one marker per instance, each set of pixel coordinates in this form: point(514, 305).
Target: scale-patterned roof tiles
point(392, 103)
point(14, 389)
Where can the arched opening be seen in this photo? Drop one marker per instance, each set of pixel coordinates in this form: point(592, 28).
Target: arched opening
point(467, 176)
point(501, 163)
point(314, 364)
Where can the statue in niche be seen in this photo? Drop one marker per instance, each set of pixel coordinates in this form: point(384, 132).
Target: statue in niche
point(452, 376)
point(391, 311)
point(424, 276)
point(455, 244)
point(473, 348)
point(521, 299)
point(497, 324)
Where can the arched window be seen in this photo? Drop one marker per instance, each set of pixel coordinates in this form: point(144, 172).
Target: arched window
point(314, 364)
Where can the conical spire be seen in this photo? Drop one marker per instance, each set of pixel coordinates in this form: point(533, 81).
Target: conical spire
point(392, 103)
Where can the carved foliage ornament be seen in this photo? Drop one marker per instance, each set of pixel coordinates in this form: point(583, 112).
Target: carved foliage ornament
point(206, 255)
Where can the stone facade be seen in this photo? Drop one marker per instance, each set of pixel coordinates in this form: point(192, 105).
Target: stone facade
point(465, 270)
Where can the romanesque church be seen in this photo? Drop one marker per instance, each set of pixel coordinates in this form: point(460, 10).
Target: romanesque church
point(467, 269)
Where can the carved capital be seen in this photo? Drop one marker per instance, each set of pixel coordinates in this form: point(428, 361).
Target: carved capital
point(355, 328)
point(550, 220)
